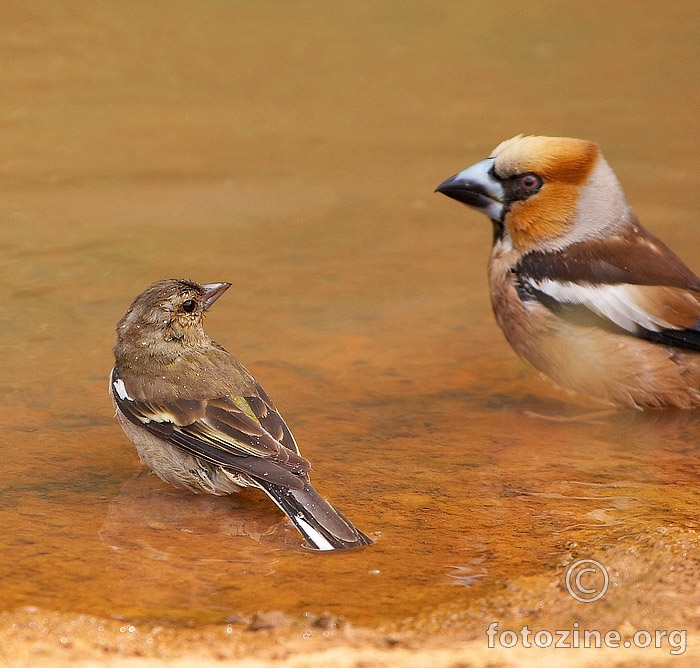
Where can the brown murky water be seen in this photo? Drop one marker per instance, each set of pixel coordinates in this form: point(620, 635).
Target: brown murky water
point(292, 149)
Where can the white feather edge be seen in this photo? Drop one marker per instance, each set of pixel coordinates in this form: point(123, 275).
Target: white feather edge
point(319, 541)
point(614, 302)
point(313, 535)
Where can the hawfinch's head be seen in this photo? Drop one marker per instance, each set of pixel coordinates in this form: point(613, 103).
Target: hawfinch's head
point(543, 193)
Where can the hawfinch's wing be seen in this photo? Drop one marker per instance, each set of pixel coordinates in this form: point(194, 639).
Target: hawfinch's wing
point(632, 283)
point(244, 433)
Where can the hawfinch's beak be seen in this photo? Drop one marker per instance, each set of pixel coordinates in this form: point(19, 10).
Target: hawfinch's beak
point(212, 291)
point(476, 187)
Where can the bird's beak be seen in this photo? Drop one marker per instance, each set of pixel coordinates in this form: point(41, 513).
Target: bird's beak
point(476, 187)
point(212, 291)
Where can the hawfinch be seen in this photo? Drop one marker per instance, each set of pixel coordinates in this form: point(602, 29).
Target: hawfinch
point(200, 421)
point(580, 289)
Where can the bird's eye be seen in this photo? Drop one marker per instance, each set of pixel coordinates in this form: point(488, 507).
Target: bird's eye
point(189, 306)
point(530, 183)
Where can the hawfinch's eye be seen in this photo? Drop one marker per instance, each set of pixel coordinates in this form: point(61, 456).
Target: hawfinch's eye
point(530, 182)
point(189, 306)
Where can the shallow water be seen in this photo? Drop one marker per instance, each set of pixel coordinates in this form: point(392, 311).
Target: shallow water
point(292, 150)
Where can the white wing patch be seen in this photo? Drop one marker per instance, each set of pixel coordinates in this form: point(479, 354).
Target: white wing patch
point(120, 389)
point(122, 393)
point(614, 302)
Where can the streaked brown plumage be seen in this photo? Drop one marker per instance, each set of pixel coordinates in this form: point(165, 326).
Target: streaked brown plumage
point(580, 289)
point(200, 421)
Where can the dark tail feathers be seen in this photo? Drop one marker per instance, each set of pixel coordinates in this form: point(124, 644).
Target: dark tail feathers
point(323, 527)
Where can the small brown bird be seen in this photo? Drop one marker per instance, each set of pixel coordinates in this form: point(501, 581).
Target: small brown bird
point(200, 421)
point(580, 289)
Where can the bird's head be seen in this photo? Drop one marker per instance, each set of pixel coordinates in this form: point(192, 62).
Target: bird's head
point(168, 312)
point(543, 193)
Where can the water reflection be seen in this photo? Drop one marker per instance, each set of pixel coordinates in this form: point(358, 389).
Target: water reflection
point(184, 551)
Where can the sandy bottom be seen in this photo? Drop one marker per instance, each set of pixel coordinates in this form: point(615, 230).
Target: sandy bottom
point(34, 637)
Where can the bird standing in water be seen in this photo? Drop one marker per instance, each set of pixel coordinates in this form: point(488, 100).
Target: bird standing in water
point(580, 289)
point(200, 421)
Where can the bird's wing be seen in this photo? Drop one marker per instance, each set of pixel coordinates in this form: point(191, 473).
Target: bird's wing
point(244, 433)
point(635, 285)
point(633, 256)
point(636, 309)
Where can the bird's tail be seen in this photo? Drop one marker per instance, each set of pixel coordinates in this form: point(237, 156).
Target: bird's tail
point(323, 527)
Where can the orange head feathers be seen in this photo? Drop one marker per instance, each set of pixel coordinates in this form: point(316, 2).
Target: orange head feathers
point(556, 159)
